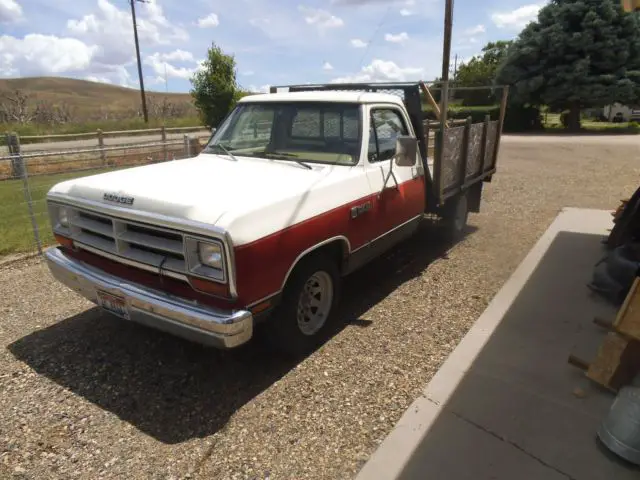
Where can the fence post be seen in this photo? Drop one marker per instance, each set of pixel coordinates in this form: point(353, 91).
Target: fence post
point(18, 167)
point(187, 145)
point(103, 156)
point(163, 134)
point(13, 144)
point(194, 145)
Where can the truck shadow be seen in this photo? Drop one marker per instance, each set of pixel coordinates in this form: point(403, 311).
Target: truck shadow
point(174, 390)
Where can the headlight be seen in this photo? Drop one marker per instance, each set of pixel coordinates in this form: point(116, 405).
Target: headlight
point(210, 254)
point(206, 258)
point(63, 217)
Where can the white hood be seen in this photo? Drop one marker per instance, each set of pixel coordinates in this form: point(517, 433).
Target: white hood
point(208, 187)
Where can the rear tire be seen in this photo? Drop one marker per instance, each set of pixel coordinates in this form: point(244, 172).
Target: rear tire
point(305, 316)
point(455, 215)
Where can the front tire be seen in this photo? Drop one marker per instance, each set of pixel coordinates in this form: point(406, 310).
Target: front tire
point(305, 316)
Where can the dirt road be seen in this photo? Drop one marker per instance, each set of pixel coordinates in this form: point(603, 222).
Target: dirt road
point(85, 395)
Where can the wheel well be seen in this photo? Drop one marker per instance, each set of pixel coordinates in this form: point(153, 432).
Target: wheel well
point(337, 249)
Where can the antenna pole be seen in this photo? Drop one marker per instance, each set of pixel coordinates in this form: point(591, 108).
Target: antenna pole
point(135, 36)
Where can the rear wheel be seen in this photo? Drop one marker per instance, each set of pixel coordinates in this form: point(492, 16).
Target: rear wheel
point(304, 318)
point(456, 215)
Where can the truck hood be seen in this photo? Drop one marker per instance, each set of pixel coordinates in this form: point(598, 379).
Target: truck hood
point(200, 189)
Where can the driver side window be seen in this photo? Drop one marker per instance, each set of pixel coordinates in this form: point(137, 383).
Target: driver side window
point(386, 126)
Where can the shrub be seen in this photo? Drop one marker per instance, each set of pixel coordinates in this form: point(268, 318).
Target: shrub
point(522, 119)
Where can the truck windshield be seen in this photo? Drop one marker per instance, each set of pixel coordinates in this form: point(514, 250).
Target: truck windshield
point(315, 132)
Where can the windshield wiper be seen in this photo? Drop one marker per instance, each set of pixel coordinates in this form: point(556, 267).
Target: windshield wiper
point(227, 151)
point(286, 156)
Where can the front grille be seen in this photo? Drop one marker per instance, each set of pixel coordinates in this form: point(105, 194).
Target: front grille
point(149, 245)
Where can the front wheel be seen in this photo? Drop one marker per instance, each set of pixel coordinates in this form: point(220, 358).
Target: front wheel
point(304, 318)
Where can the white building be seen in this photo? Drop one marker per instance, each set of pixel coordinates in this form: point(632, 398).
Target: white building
point(627, 113)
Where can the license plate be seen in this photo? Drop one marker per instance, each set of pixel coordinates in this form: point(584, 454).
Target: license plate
point(113, 304)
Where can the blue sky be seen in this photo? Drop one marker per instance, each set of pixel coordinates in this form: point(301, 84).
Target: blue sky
point(274, 42)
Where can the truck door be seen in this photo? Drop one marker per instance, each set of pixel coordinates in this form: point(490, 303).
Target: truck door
point(402, 199)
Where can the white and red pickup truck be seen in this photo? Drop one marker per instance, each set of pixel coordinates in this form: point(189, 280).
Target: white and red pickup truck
point(293, 191)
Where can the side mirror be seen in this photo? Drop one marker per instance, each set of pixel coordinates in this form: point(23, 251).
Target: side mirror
point(406, 151)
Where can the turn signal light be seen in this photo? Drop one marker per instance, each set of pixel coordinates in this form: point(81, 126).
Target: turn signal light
point(261, 307)
point(212, 288)
point(64, 241)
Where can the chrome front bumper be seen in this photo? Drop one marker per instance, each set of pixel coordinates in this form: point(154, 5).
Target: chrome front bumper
point(222, 329)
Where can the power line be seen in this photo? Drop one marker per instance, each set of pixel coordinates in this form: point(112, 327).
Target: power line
point(366, 50)
point(135, 36)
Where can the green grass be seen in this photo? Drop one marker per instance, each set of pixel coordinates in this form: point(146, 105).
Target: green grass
point(16, 234)
point(553, 124)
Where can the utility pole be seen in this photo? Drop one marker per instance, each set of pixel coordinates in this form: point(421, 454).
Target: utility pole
point(135, 36)
point(446, 58)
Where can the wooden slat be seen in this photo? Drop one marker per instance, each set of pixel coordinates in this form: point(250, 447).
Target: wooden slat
point(627, 321)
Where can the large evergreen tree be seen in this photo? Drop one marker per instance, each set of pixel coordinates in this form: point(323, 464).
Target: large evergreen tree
point(578, 54)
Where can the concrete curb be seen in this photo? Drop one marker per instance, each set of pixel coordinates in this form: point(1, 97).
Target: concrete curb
point(389, 460)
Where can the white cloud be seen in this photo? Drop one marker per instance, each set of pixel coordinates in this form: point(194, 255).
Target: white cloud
point(405, 12)
point(110, 29)
point(260, 89)
point(209, 21)
point(177, 55)
point(327, 66)
point(94, 78)
point(259, 22)
point(396, 38)
point(357, 43)
point(320, 18)
point(475, 30)
point(10, 11)
point(159, 65)
point(37, 54)
point(381, 70)
point(518, 18)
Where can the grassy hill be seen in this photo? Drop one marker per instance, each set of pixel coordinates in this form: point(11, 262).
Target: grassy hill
point(93, 104)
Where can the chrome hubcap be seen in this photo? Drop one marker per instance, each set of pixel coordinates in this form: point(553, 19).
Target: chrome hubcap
point(315, 302)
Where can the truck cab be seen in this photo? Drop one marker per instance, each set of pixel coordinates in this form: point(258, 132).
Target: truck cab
point(294, 191)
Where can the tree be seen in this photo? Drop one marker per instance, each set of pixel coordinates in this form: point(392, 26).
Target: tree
point(480, 71)
point(215, 90)
point(578, 54)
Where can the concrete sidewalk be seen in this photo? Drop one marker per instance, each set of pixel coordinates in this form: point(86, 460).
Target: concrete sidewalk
point(503, 405)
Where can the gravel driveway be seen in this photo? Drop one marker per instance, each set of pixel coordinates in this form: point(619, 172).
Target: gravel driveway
point(85, 395)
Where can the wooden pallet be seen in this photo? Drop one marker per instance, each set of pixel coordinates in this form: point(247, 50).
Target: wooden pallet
point(618, 359)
